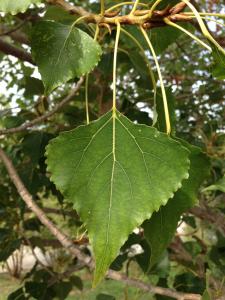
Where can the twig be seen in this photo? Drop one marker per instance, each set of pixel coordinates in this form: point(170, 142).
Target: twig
point(45, 116)
point(69, 245)
point(51, 210)
point(8, 32)
point(152, 289)
point(73, 10)
point(214, 217)
point(37, 258)
point(150, 17)
point(14, 51)
point(67, 273)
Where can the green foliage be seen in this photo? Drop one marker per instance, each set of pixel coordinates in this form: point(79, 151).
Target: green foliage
point(93, 164)
point(217, 186)
point(161, 227)
point(17, 6)
point(62, 53)
point(119, 188)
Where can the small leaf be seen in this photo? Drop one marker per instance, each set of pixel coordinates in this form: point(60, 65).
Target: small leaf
point(218, 186)
point(206, 296)
point(17, 295)
point(160, 229)
point(62, 52)
point(34, 145)
point(62, 289)
point(9, 248)
point(104, 297)
point(32, 86)
point(77, 282)
point(16, 6)
point(218, 68)
point(116, 174)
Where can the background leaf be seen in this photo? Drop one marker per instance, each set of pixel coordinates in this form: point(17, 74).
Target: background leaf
point(62, 52)
point(217, 186)
point(160, 229)
point(14, 7)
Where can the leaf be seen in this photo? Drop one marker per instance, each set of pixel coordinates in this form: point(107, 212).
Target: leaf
point(9, 248)
point(17, 295)
point(38, 290)
point(116, 174)
point(33, 86)
point(62, 289)
point(160, 229)
point(77, 282)
point(206, 296)
point(218, 186)
point(189, 283)
point(58, 14)
point(62, 52)
point(218, 68)
point(104, 296)
point(34, 145)
point(14, 7)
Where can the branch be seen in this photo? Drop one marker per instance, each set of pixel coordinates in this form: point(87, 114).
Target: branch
point(73, 10)
point(27, 198)
point(50, 210)
point(11, 30)
point(152, 289)
point(45, 116)
point(139, 17)
point(14, 51)
point(207, 214)
point(69, 245)
point(16, 35)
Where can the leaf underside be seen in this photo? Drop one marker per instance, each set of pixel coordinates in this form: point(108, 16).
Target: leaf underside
point(116, 174)
point(15, 6)
point(62, 52)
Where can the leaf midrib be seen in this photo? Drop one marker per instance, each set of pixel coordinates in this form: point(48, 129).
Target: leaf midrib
point(60, 53)
point(114, 118)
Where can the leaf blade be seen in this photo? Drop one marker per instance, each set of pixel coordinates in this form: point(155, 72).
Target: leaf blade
point(116, 199)
point(160, 228)
point(14, 7)
point(62, 52)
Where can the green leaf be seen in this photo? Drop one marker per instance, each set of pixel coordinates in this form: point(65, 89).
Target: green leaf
point(218, 68)
point(218, 186)
point(17, 295)
point(105, 297)
point(206, 296)
point(161, 38)
point(62, 52)
point(14, 7)
point(9, 248)
point(33, 86)
point(160, 229)
point(34, 145)
point(62, 289)
point(116, 174)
